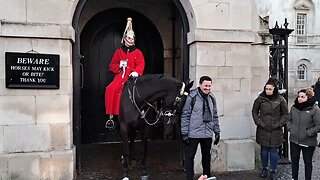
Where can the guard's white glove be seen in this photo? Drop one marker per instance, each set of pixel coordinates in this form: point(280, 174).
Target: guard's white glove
point(123, 63)
point(134, 74)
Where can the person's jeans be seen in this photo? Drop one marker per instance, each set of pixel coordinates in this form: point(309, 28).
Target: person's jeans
point(307, 153)
point(191, 149)
point(267, 152)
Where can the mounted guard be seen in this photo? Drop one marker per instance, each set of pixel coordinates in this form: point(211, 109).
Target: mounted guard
point(127, 61)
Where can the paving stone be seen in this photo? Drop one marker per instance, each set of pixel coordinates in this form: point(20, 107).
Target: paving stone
point(99, 164)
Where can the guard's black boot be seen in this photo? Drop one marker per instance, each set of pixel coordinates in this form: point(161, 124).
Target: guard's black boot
point(264, 173)
point(110, 123)
point(273, 175)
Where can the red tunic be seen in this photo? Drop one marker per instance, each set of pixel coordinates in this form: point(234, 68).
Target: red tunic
point(113, 90)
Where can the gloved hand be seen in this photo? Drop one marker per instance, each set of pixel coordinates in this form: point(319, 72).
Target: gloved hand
point(216, 139)
point(123, 63)
point(185, 139)
point(134, 74)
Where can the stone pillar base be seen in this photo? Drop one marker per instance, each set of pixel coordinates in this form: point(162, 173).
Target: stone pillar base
point(38, 165)
point(229, 155)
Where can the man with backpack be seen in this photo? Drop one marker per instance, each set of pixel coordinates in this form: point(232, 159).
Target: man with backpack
point(199, 120)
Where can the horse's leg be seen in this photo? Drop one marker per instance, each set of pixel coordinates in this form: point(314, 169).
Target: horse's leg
point(131, 146)
point(125, 149)
point(144, 148)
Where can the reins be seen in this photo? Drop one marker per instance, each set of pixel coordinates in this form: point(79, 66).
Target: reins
point(160, 113)
point(143, 113)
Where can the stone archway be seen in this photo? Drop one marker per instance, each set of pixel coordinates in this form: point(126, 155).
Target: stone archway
point(99, 39)
point(183, 64)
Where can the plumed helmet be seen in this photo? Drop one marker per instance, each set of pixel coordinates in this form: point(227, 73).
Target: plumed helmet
point(128, 32)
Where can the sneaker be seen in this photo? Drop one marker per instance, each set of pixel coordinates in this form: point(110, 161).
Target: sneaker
point(273, 175)
point(264, 173)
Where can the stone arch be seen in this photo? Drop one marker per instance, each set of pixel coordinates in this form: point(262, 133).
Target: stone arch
point(303, 4)
point(186, 9)
point(307, 64)
point(304, 61)
point(298, 84)
point(79, 7)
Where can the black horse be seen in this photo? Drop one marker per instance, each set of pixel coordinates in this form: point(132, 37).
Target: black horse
point(138, 98)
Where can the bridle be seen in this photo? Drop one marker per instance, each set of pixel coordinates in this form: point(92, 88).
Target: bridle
point(160, 112)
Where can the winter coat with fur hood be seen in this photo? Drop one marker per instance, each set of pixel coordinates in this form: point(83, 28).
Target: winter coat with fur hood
point(304, 123)
point(270, 115)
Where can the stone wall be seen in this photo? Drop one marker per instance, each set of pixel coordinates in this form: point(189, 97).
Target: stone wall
point(227, 44)
point(36, 124)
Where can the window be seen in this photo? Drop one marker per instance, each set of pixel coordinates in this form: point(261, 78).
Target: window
point(301, 28)
point(301, 24)
point(302, 72)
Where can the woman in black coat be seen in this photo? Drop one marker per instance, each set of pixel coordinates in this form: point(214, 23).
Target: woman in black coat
point(270, 114)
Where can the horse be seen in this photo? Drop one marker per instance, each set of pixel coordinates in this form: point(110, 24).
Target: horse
point(138, 98)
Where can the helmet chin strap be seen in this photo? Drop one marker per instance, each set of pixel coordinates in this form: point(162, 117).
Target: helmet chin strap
point(127, 43)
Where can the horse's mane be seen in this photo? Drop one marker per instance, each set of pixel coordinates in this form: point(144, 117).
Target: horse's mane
point(148, 79)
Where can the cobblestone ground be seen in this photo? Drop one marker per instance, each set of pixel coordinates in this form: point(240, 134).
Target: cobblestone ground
point(284, 171)
point(102, 162)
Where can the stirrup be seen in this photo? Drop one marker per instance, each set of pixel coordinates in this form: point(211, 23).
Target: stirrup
point(110, 123)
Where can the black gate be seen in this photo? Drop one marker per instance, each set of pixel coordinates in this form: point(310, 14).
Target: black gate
point(278, 68)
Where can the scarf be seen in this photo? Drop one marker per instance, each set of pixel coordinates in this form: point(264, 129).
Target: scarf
point(264, 94)
point(301, 106)
point(206, 112)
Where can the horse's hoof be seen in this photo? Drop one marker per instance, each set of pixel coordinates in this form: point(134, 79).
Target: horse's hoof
point(125, 178)
point(146, 177)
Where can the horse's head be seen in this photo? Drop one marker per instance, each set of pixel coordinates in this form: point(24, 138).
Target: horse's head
point(140, 95)
point(172, 113)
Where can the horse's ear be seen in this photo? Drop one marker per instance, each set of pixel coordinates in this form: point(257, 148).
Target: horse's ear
point(189, 86)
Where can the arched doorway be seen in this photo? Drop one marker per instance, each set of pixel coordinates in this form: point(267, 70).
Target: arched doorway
point(99, 39)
